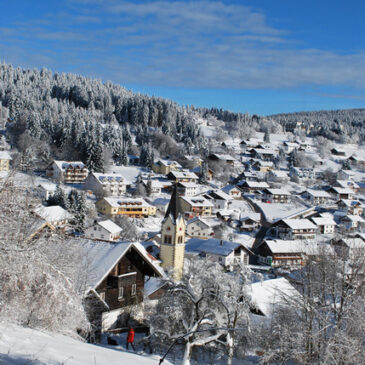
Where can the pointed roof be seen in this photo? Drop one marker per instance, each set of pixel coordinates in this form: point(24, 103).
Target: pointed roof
point(174, 209)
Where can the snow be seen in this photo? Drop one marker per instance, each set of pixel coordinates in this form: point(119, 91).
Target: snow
point(4, 155)
point(276, 211)
point(110, 226)
point(62, 165)
point(211, 245)
point(53, 213)
point(270, 295)
point(19, 345)
point(129, 173)
point(299, 224)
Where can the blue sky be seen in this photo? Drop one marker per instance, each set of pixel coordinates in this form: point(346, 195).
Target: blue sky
point(259, 56)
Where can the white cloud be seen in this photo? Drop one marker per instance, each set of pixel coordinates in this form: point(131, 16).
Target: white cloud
point(203, 44)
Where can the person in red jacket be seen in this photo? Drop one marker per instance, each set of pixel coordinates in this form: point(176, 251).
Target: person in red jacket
point(130, 338)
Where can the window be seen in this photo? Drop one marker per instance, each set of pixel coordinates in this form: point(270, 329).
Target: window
point(167, 239)
point(134, 289)
point(120, 293)
point(102, 295)
point(180, 239)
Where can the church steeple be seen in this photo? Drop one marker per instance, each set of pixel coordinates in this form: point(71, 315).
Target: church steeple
point(173, 236)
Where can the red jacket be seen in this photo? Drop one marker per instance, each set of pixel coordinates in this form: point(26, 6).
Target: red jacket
point(130, 337)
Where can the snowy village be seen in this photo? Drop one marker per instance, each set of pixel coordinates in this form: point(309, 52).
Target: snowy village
point(214, 246)
point(182, 182)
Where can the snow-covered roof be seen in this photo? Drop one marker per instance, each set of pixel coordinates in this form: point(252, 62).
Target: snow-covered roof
point(347, 184)
point(123, 202)
point(5, 155)
point(48, 186)
point(110, 226)
point(318, 193)
point(353, 218)
point(349, 203)
point(342, 190)
point(53, 213)
point(62, 165)
point(277, 191)
point(324, 221)
point(254, 216)
point(221, 194)
point(108, 178)
point(353, 242)
point(212, 246)
point(229, 188)
point(101, 257)
point(197, 201)
point(188, 184)
point(271, 295)
point(286, 246)
point(184, 175)
point(279, 173)
point(152, 285)
point(257, 184)
point(198, 219)
point(168, 163)
point(299, 223)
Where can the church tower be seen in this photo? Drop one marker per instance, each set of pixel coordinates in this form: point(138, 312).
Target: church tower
point(173, 236)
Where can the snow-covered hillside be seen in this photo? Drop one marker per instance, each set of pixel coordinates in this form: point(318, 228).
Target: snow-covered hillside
point(19, 345)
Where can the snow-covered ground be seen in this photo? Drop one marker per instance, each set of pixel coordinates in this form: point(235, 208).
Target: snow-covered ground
point(19, 346)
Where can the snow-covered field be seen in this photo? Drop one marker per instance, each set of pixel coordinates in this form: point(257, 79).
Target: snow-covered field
point(19, 346)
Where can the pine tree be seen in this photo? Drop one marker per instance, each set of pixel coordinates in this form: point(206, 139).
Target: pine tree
point(204, 172)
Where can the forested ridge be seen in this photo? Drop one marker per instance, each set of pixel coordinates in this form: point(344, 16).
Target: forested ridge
point(59, 115)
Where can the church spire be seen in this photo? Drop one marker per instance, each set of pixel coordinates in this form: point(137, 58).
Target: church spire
point(174, 208)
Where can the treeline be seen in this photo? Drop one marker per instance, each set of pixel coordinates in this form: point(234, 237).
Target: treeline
point(81, 118)
point(340, 125)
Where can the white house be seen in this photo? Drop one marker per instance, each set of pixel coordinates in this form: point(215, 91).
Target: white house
point(316, 196)
point(220, 199)
point(345, 174)
point(69, 172)
point(105, 230)
point(352, 222)
point(292, 229)
point(188, 188)
point(199, 228)
point(326, 225)
point(275, 195)
point(46, 190)
point(106, 184)
point(233, 191)
point(227, 253)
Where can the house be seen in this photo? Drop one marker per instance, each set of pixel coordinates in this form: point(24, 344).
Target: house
point(316, 197)
point(264, 154)
point(263, 166)
point(105, 230)
point(352, 222)
point(131, 207)
point(197, 171)
point(275, 196)
point(133, 160)
point(250, 222)
point(326, 225)
point(250, 187)
point(5, 159)
point(356, 161)
point(46, 190)
point(187, 188)
point(227, 253)
point(353, 207)
point(278, 176)
point(249, 176)
point(347, 184)
point(106, 184)
point(290, 146)
point(293, 229)
point(116, 274)
point(338, 151)
point(223, 158)
point(165, 166)
point(182, 176)
point(283, 253)
point(220, 199)
point(341, 193)
point(74, 172)
point(270, 297)
point(199, 228)
point(351, 248)
point(305, 173)
point(232, 191)
point(345, 175)
point(153, 186)
point(196, 206)
point(54, 215)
